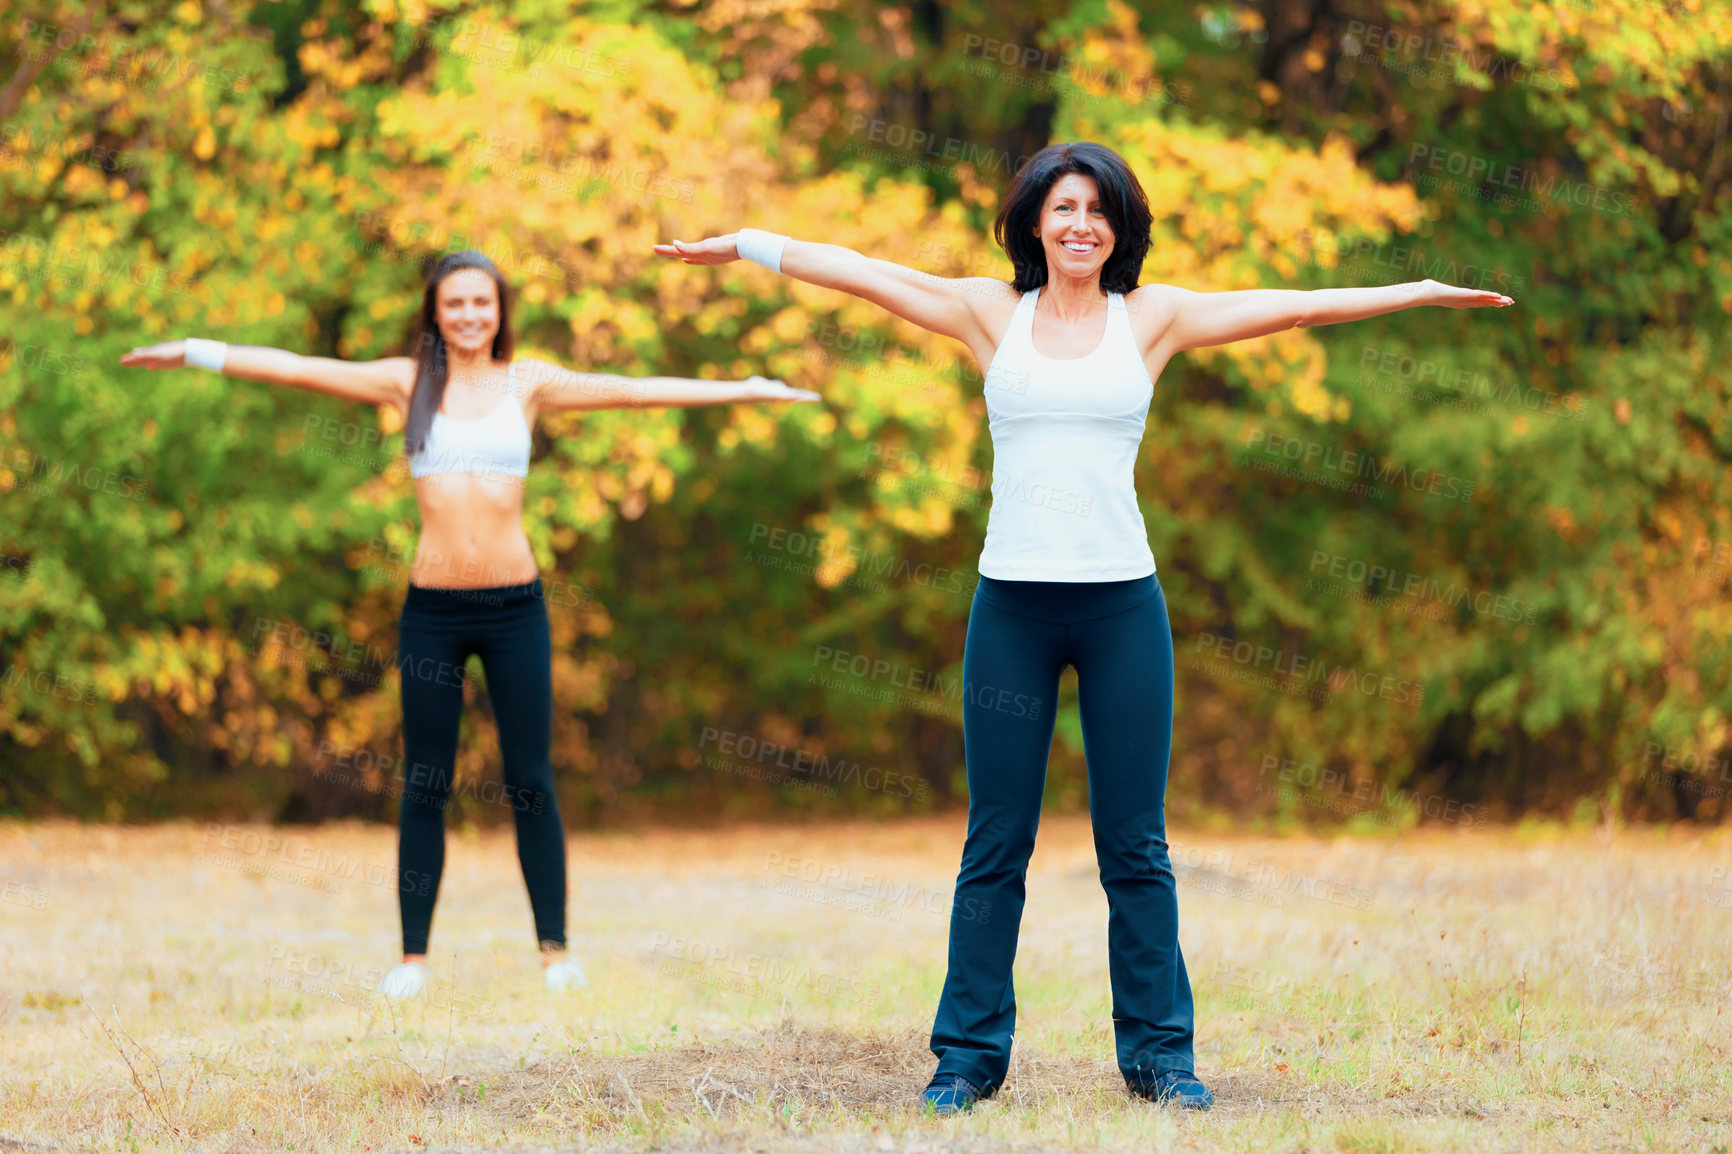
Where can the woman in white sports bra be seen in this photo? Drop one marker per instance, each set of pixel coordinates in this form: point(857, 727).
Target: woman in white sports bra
point(1072, 348)
point(473, 588)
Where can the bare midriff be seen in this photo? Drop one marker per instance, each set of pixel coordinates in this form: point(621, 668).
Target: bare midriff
point(471, 532)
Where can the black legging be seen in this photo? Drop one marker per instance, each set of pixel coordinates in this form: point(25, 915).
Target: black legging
point(507, 627)
point(1021, 635)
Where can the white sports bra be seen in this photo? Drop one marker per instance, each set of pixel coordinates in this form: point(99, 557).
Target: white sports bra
point(1065, 434)
point(496, 444)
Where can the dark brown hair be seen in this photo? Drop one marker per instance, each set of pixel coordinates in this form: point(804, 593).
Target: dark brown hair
point(432, 365)
point(1122, 199)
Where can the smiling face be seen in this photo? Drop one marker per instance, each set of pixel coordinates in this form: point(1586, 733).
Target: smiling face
point(1073, 228)
point(467, 311)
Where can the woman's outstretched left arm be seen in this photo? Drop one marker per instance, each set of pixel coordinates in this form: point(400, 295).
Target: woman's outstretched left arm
point(1193, 319)
point(554, 387)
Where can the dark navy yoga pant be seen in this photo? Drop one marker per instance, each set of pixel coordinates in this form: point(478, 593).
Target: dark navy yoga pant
point(1021, 634)
point(506, 626)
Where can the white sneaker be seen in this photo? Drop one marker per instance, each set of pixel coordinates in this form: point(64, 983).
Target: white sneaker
point(565, 976)
point(405, 981)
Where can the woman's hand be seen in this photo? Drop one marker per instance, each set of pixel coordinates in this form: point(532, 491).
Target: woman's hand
point(715, 250)
point(764, 389)
point(1452, 297)
point(168, 355)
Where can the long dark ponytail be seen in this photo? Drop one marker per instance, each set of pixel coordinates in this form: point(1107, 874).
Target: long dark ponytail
point(432, 365)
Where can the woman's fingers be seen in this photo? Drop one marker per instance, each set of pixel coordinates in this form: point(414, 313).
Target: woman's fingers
point(781, 390)
point(147, 357)
point(709, 251)
point(1477, 299)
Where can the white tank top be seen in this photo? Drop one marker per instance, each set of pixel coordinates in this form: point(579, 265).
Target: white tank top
point(496, 444)
point(1065, 435)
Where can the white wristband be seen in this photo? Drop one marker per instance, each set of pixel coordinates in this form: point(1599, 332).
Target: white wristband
point(203, 354)
point(761, 247)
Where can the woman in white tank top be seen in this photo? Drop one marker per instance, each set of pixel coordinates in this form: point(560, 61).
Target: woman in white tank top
point(468, 408)
point(1072, 348)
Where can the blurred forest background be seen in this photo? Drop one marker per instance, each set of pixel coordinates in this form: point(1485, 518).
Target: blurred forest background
point(1521, 608)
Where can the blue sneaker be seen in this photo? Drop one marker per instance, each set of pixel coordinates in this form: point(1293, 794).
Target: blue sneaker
point(950, 1094)
point(1179, 1087)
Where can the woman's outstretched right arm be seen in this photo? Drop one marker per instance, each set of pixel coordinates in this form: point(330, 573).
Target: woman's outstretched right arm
point(973, 310)
point(382, 382)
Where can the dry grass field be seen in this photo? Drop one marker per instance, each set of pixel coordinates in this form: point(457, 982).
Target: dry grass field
point(769, 989)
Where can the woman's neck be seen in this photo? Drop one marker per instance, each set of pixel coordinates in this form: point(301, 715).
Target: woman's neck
point(1073, 299)
point(468, 367)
